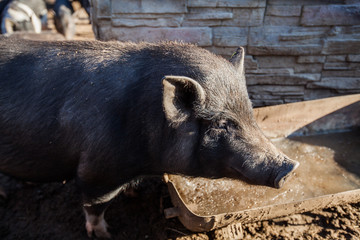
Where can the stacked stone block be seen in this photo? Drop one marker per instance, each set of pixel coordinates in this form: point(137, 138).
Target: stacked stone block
point(296, 49)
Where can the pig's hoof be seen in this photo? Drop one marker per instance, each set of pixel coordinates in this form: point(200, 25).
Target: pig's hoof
point(99, 229)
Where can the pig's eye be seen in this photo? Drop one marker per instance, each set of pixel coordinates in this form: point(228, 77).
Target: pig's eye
point(226, 124)
point(223, 124)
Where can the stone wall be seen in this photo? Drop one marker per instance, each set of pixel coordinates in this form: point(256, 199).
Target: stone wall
point(296, 49)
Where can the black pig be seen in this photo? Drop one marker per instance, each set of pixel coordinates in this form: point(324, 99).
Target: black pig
point(106, 113)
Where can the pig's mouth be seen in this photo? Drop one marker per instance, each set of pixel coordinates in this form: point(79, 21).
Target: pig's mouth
point(284, 173)
point(276, 179)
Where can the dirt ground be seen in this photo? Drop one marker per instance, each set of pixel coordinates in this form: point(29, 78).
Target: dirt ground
point(53, 211)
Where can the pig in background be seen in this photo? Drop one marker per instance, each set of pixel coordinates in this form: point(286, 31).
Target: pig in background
point(108, 113)
point(64, 17)
point(22, 15)
point(31, 16)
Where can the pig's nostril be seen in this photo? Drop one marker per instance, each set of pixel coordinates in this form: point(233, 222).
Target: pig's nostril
point(284, 173)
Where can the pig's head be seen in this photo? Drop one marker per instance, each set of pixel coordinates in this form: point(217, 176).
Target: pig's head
point(217, 136)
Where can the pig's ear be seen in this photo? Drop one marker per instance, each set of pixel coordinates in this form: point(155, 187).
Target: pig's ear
point(237, 59)
point(179, 95)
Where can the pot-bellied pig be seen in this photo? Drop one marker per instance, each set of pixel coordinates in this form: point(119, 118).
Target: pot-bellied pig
point(22, 16)
point(105, 113)
point(64, 18)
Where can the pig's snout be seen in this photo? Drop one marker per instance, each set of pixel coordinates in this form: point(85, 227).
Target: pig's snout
point(286, 168)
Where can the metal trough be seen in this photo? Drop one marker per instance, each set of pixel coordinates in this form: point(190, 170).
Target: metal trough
point(323, 135)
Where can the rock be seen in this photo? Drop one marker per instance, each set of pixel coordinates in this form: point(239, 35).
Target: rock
point(200, 14)
point(267, 102)
point(244, 17)
point(285, 50)
point(277, 71)
point(353, 58)
point(250, 63)
point(103, 8)
point(300, 36)
point(281, 21)
point(335, 58)
point(336, 66)
point(341, 66)
point(284, 11)
point(280, 40)
point(311, 59)
point(292, 100)
point(294, 35)
point(241, 17)
point(158, 22)
point(277, 90)
point(304, 2)
point(148, 6)
point(342, 45)
point(277, 62)
point(103, 31)
point(292, 79)
point(265, 97)
point(330, 15)
point(340, 73)
point(311, 94)
point(230, 36)
point(200, 36)
point(336, 83)
point(210, 16)
point(227, 3)
point(262, 95)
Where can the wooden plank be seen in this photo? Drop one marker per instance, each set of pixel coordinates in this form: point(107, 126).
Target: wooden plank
point(284, 120)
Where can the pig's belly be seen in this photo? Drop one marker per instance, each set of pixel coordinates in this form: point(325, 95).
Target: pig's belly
point(37, 168)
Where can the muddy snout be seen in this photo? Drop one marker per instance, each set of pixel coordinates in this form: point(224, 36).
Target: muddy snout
point(284, 172)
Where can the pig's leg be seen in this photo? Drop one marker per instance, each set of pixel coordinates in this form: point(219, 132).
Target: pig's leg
point(94, 210)
point(95, 222)
point(98, 187)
